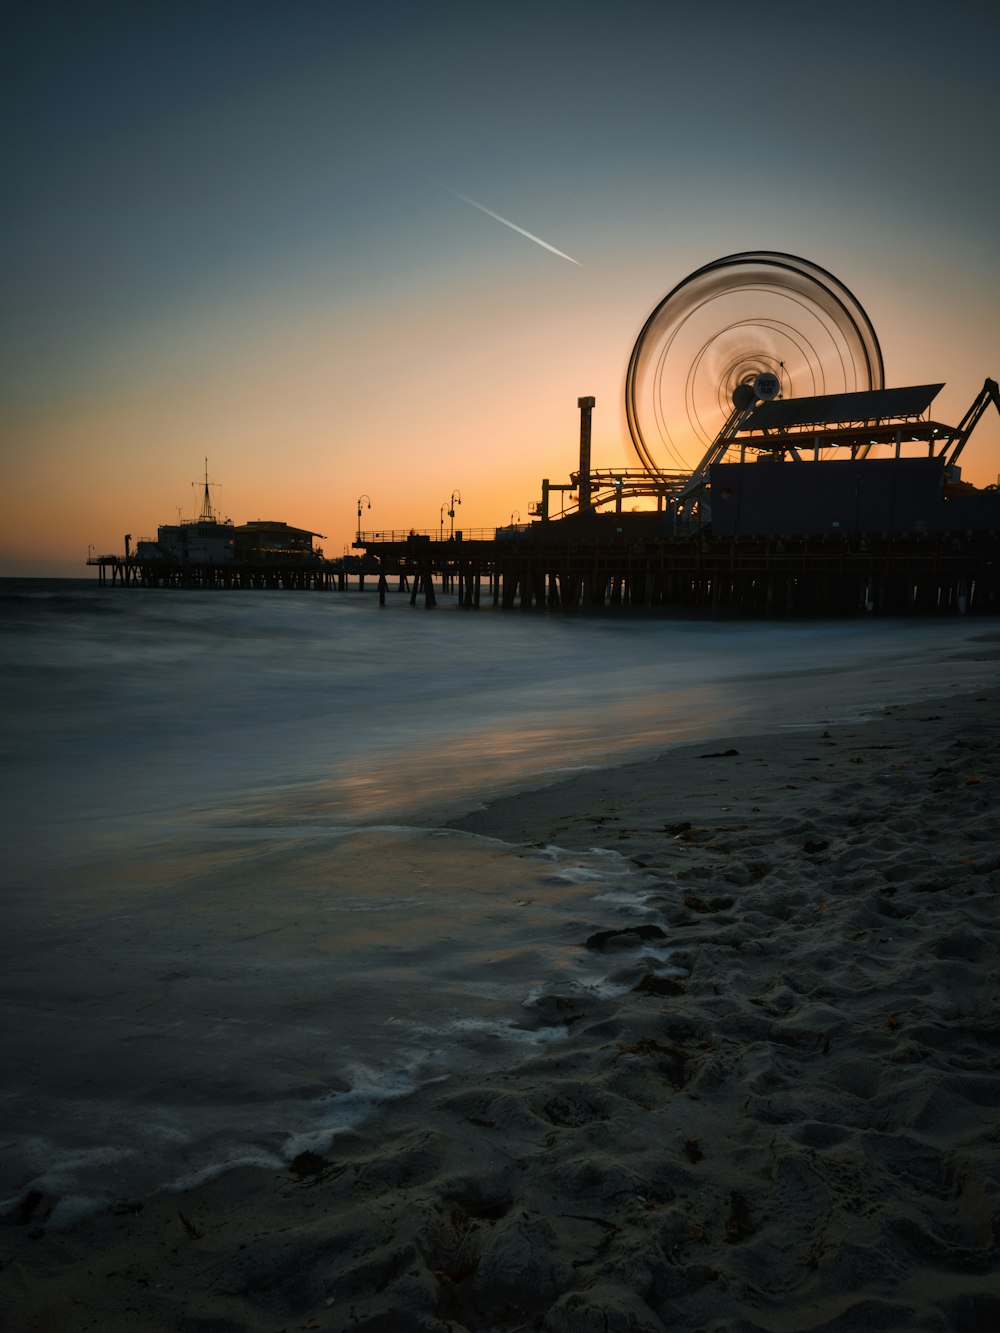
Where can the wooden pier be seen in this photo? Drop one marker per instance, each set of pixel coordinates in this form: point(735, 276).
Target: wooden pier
point(548, 567)
point(810, 576)
point(319, 575)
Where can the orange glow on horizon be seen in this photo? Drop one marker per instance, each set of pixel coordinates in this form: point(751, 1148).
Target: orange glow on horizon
point(299, 414)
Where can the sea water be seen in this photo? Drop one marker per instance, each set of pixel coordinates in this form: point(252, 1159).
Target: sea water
point(232, 920)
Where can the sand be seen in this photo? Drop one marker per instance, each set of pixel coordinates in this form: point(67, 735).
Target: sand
point(798, 1130)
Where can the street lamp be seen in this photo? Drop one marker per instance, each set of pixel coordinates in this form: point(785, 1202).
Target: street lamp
point(456, 498)
point(514, 520)
point(441, 522)
point(360, 498)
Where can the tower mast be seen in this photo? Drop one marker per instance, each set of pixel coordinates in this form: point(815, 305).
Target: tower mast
point(206, 515)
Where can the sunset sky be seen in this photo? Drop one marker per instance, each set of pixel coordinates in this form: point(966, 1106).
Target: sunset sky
point(249, 231)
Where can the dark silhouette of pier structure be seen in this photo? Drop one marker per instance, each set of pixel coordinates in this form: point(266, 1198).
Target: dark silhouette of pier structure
point(793, 515)
point(833, 504)
point(805, 520)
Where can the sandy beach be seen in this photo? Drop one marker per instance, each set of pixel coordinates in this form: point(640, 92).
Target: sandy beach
point(792, 1126)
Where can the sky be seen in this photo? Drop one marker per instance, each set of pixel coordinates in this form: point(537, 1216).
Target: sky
point(275, 235)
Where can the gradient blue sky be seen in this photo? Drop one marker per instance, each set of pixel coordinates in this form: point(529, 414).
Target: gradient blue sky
point(232, 230)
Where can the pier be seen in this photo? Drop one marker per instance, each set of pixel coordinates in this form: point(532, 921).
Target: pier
point(842, 503)
point(133, 571)
point(613, 564)
point(548, 568)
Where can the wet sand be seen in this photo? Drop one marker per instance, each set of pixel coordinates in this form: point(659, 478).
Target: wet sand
point(793, 1127)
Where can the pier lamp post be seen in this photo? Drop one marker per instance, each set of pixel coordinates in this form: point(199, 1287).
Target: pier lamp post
point(456, 498)
point(514, 520)
point(360, 498)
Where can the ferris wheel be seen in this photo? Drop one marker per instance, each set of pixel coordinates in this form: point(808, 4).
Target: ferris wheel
point(754, 325)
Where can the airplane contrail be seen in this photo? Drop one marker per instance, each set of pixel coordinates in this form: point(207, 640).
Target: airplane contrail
point(513, 225)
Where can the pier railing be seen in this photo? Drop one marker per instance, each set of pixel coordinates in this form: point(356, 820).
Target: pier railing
point(395, 536)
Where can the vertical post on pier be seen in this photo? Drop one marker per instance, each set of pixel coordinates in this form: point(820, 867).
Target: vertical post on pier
point(586, 406)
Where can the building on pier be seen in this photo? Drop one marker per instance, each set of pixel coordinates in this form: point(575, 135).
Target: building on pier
point(201, 541)
point(270, 540)
point(212, 540)
point(873, 462)
point(219, 542)
point(865, 462)
point(208, 539)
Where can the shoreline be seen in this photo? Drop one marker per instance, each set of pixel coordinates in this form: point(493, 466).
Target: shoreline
point(795, 1130)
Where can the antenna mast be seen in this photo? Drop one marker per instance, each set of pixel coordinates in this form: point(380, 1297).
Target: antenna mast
point(206, 515)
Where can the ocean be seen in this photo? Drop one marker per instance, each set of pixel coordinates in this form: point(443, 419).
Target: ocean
point(232, 919)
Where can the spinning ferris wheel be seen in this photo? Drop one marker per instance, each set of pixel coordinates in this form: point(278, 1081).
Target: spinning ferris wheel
point(751, 326)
